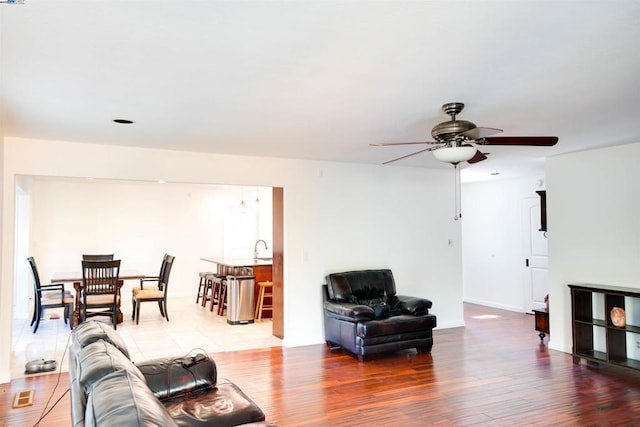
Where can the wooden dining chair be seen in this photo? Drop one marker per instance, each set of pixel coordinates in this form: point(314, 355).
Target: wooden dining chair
point(154, 293)
point(97, 257)
point(48, 296)
point(146, 284)
point(100, 296)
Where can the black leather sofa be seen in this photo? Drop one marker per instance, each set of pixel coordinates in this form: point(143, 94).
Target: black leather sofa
point(364, 315)
point(108, 389)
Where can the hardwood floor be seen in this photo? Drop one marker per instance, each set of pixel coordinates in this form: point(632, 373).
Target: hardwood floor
point(493, 372)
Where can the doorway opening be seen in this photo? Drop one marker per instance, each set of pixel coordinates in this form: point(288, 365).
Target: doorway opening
point(54, 220)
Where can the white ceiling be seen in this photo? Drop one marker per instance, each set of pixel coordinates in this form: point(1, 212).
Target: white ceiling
point(322, 79)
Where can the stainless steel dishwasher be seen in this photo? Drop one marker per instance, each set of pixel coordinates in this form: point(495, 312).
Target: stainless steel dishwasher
point(240, 291)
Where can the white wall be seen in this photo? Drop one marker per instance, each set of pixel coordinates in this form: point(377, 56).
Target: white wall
point(493, 255)
point(593, 207)
point(337, 216)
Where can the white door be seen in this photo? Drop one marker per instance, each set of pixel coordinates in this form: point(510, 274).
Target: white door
point(536, 262)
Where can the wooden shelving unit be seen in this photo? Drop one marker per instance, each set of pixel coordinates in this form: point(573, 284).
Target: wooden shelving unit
point(590, 314)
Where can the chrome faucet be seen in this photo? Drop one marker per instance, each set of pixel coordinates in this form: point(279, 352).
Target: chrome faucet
point(255, 248)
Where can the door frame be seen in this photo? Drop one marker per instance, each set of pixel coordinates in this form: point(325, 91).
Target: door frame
point(528, 228)
point(278, 262)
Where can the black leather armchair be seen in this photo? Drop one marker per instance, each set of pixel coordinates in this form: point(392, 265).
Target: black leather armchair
point(364, 315)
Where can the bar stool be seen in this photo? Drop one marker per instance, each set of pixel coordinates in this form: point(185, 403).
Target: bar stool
point(216, 286)
point(222, 297)
point(262, 294)
point(202, 286)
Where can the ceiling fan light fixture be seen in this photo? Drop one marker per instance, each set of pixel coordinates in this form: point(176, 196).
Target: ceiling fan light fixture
point(454, 155)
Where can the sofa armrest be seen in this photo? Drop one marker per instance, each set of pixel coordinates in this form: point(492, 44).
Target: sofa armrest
point(176, 376)
point(350, 312)
point(410, 305)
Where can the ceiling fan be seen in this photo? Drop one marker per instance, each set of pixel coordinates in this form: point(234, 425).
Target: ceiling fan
point(455, 140)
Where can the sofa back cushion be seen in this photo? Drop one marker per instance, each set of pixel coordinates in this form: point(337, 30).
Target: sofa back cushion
point(88, 332)
point(99, 359)
point(122, 399)
point(368, 287)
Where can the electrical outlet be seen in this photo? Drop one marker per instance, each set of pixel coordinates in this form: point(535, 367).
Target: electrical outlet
point(638, 344)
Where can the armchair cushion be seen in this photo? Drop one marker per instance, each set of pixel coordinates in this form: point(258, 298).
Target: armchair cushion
point(363, 284)
point(368, 295)
point(381, 311)
point(394, 325)
point(374, 298)
point(148, 294)
point(145, 287)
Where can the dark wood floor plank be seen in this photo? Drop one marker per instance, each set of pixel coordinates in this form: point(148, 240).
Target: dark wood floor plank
point(493, 372)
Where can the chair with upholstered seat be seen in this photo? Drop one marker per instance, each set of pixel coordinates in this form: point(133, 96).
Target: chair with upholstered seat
point(149, 279)
point(100, 294)
point(148, 286)
point(155, 293)
point(48, 296)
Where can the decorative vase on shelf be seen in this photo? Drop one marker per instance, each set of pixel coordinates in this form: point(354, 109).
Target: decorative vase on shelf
point(618, 317)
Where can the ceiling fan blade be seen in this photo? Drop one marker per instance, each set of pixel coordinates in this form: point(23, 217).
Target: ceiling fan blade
point(388, 144)
point(478, 132)
point(534, 141)
point(478, 157)
point(408, 155)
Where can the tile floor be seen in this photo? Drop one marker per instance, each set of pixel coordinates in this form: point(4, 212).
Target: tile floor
point(190, 327)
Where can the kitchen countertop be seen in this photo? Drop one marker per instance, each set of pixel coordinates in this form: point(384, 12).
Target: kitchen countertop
point(238, 262)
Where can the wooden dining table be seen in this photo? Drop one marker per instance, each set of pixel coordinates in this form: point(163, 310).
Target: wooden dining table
point(75, 277)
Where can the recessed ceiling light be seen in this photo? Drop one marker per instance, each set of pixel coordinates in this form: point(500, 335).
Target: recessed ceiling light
point(123, 121)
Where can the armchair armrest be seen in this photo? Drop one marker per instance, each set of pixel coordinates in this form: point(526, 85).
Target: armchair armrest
point(148, 279)
point(347, 311)
point(53, 287)
point(410, 305)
